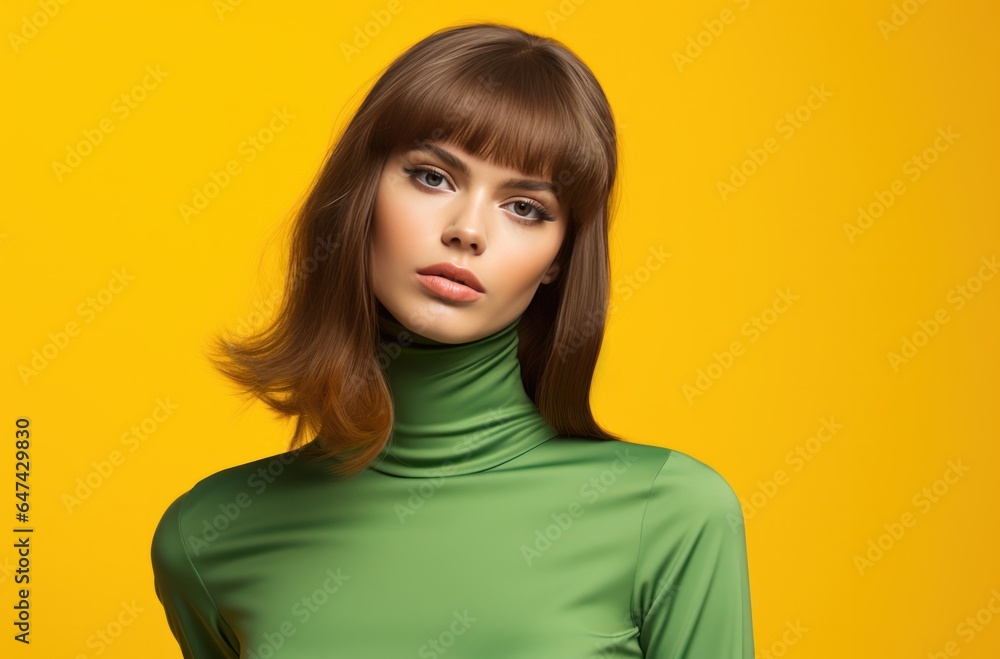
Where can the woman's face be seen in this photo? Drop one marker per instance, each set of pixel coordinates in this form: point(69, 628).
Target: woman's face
point(437, 204)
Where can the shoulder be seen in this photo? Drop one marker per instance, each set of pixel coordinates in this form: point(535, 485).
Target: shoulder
point(692, 557)
point(643, 460)
point(668, 471)
point(239, 481)
point(672, 483)
point(690, 480)
point(688, 496)
point(225, 493)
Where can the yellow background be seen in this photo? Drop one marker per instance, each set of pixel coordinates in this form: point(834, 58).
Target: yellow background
point(892, 74)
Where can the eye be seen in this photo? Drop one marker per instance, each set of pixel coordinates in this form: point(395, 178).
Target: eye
point(526, 205)
point(433, 179)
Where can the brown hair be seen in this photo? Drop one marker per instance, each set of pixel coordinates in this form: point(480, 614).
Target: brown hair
point(516, 99)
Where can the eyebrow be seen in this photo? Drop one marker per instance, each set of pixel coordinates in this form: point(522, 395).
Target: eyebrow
point(452, 161)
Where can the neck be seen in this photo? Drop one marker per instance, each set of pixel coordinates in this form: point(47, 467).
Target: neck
point(459, 408)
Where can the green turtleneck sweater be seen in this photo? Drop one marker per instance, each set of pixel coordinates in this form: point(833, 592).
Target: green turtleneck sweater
point(479, 533)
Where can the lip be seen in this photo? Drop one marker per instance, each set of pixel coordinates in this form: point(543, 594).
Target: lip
point(451, 281)
point(455, 273)
point(449, 289)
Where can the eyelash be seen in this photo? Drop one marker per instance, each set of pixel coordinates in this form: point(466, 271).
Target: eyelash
point(543, 215)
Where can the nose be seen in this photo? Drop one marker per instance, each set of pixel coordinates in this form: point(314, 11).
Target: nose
point(467, 226)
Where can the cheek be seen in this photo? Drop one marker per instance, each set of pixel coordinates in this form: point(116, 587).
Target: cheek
point(526, 267)
point(391, 229)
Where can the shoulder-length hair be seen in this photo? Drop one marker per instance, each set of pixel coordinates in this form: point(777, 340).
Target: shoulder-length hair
point(513, 98)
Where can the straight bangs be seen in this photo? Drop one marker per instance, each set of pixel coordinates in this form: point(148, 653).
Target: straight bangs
point(512, 104)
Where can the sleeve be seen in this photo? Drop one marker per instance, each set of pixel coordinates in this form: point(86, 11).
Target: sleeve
point(191, 612)
point(692, 589)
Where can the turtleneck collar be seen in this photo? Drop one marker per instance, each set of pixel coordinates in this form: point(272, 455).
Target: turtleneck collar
point(459, 408)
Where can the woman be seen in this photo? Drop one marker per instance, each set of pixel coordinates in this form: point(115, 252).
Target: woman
point(447, 490)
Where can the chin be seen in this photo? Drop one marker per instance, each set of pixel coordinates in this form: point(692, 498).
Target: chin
point(450, 328)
